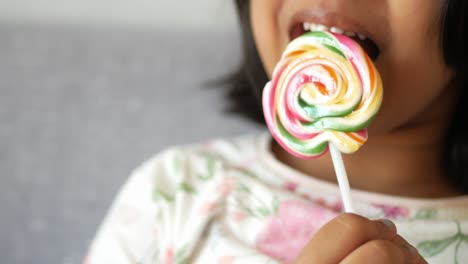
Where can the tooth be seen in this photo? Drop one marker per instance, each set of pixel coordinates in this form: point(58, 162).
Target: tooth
point(313, 27)
point(321, 28)
point(350, 34)
point(306, 26)
point(336, 30)
point(361, 36)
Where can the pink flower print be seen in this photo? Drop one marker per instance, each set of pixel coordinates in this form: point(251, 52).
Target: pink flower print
point(286, 234)
point(306, 196)
point(226, 186)
point(393, 211)
point(238, 216)
point(290, 186)
point(225, 260)
point(335, 207)
point(169, 256)
point(208, 207)
point(321, 202)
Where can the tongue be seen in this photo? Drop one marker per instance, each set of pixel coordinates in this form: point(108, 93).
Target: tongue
point(369, 47)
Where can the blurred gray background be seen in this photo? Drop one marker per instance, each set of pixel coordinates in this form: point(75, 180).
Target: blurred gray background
point(88, 90)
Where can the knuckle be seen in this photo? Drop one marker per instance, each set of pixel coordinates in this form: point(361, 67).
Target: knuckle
point(381, 246)
point(355, 224)
point(353, 220)
point(386, 250)
point(399, 240)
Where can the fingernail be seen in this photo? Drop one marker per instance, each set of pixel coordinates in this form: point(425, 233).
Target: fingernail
point(389, 224)
point(412, 250)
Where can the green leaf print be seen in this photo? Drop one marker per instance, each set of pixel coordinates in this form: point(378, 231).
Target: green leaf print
point(246, 172)
point(159, 195)
point(181, 255)
point(240, 187)
point(426, 213)
point(249, 211)
point(210, 167)
point(457, 248)
point(275, 205)
point(263, 211)
point(464, 238)
point(434, 247)
point(187, 187)
point(177, 163)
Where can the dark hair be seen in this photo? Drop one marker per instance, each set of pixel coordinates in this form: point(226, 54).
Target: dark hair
point(245, 85)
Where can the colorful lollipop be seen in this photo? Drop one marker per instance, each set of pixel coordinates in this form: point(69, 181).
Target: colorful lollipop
point(324, 93)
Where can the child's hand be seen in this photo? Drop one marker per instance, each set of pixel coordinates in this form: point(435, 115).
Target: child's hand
point(350, 239)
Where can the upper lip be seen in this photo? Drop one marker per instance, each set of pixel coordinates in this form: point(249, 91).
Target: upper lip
point(331, 19)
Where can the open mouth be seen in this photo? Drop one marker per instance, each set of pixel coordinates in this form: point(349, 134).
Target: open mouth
point(369, 46)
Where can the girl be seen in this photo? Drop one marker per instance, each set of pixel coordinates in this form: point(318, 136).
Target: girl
point(246, 200)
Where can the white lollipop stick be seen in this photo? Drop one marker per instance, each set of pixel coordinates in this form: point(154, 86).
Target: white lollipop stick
point(342, 178)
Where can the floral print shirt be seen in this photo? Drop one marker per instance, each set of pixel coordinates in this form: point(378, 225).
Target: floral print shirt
point(231, 201)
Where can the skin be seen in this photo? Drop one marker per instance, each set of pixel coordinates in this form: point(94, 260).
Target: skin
point(372, 242)
point(418, 102)
point(418, 95)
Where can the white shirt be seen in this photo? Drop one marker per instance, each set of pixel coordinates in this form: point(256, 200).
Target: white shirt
point(232, 201)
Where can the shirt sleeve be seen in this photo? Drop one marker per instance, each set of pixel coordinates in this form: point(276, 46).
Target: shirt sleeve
point(127, 232)
point(160, 212)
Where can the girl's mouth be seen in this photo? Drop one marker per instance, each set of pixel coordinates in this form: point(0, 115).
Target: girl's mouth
point(369, 46)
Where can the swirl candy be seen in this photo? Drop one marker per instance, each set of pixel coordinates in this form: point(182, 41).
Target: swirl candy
point(324, 90)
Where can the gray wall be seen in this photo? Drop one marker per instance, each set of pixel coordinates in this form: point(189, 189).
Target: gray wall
point(86, 96)
point(200, 14)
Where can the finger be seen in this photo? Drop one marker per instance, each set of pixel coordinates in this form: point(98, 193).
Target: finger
point(402, 242)
point(399, 240)
point(384, 252)
point(343, 235)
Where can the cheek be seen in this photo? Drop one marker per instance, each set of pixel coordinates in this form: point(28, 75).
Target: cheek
point(263, 15)
point(412, 89)
point(413, 70)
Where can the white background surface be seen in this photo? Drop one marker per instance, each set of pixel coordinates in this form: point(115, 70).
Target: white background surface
point(204, 14)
